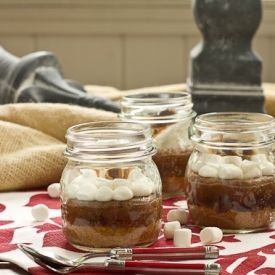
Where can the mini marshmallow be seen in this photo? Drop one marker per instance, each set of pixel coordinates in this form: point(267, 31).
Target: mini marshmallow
point(40, 212)
point(79, 180)
point(253, 173)
point(140, 188)
point(212, 160)
point(136, 175)
point(182, 237)
point(267, 168)
point(208, 171)
point(230, 171)
point(86, 192)
point(236, 160)
point(179, 215)
point(197, 166)
point(103, 182)
point(169, 229)
point(104, 193)
point(248, 165)
point(120, 182)
point(260, 158)
point(89, 174)
point(122, 193)
point(210, 235)
point(71, 190)
point(70, 174)
point(54, 190)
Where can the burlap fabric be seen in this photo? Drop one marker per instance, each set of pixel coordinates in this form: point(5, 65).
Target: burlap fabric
point(32, 141)
point(32, 135)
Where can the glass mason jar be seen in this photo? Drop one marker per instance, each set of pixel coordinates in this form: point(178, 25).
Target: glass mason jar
point(170, 116)
point(230, 174)
point(110, 187)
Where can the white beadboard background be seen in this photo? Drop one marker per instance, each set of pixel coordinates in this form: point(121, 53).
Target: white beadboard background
point(126, 44)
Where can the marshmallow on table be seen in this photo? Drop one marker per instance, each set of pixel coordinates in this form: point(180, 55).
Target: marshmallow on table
point(40, 212)
point(209, 235)
point(54, 190)
point(169, 229)
point(180, 215)
point(182, 237)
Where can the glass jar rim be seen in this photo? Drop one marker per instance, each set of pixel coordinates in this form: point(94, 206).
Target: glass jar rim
point(162, 97)
point(157, 108)
point(235, 121)
point(109, 140)
point(234, 129)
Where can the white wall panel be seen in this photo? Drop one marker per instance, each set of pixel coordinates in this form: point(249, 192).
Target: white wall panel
point(153, 61)
point(122, 43)
point(93, 60)
point(263, 47)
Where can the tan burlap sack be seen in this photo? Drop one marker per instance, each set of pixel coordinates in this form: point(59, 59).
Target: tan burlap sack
point(32, 141)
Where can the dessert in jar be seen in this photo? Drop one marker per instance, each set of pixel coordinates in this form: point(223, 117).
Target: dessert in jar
point(170, 116)
point(110, 187)
point(230, 174)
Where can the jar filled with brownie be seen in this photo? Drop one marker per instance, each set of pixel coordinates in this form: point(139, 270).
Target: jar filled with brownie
point(170, 116)
point(230, 174)
point(110, 187)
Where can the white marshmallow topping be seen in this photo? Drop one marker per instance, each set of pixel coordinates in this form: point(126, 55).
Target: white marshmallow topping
point(89, 187)
point(232, 167)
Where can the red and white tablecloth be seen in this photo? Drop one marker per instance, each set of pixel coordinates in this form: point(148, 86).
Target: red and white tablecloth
point(240, 254)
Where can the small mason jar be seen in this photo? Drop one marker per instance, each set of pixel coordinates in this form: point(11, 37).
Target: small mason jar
point(170, 116)
point(110, 187)
point(230, 174)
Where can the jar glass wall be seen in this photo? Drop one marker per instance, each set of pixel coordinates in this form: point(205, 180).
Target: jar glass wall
point(230, 174)
point(110, 188)
point(170, 116)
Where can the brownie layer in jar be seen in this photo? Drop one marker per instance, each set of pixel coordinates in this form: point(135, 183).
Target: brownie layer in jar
point(135, 222)
point(116, 207)
point(174, 150)
point(242, 204)
point(234, 205)
point(171, 165)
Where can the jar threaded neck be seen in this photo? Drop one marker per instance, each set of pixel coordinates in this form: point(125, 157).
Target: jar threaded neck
point(234, 129)
point(109, 140)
